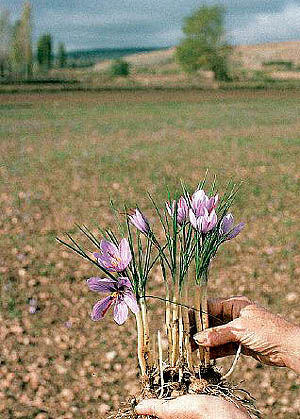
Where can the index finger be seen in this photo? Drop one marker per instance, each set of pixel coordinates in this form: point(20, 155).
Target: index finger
point(224, 310)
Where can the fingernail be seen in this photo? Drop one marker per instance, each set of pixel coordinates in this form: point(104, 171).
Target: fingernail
point(201, 338)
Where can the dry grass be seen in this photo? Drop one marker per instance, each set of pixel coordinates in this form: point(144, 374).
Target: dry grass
point(250, 57)
point(61, 157)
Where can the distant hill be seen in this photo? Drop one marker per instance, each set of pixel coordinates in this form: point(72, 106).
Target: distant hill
point(254, 56)
point(90, 57)
point(247, 56)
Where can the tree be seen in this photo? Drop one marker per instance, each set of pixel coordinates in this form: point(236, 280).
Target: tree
point(21, 44)
point(25, 33)
point(61, 55)
point(44, 52)
point(204, 46)
point(16, 53)
point(120, 67)
point(5, 35)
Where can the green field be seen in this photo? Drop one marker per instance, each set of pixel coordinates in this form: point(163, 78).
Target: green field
point(62, 157)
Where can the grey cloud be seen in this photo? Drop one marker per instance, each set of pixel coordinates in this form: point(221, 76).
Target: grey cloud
point(129, 23)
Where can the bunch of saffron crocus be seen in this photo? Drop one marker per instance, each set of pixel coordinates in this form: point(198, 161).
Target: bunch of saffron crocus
point(193, 227)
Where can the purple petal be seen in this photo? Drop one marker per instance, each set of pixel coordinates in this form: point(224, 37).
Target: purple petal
point(202, 224)
point(226, 224)
point(33, 302)
point(143, 222)
point(130, 300)
point(32, 309)
point(198, 197)
point(120, 311)
point(193, 218)
point(200, 209)
point(210, 203)
point(139, 221)
point(108, 248)
point(124, 282)
point(101, 284)
point(182, 205)
point(125, 253)
point(212, 219)
point(237, 229)
point(106, 262)
point(101, 307)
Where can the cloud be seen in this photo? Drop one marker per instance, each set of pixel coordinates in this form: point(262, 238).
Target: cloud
point(136, 23)
point(279, 26)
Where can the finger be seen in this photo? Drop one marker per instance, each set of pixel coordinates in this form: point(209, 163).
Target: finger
point(220, 311)
point(153, 407)
point(228, 349)
point(217, 336)
point(226, 309)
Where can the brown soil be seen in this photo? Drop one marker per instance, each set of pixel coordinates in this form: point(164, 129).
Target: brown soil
point(62, 156)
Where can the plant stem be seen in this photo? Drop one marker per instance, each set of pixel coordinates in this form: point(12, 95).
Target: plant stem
point(141, 348)
point(186, 329)
point(168, 322)
point(202, 319)
point(181, 342)
point(160, 354)
point(205, 320)
point(175, 334)
point(146, 332)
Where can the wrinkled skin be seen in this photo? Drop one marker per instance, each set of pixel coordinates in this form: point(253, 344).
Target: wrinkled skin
point(265, 336)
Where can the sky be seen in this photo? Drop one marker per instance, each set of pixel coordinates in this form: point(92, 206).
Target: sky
point(89, 24)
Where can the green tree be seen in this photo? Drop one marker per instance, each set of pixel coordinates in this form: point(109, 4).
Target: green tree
point(16, 51)
point(5, 35)
point(44, 52)
point(26, 34)
point(61, 55)
point(120, 67)
point(21, 44)
point(204, 46)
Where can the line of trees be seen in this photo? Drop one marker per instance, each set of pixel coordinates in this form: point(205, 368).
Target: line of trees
point(17, 58)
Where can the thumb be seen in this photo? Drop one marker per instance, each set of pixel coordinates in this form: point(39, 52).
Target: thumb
point(217, 336)
point(153, 407)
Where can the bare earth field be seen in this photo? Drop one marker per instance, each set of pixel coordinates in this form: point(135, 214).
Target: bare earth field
point(62, 157)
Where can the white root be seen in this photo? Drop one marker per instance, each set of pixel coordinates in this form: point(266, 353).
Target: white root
point(236, 358)
point(160, 354)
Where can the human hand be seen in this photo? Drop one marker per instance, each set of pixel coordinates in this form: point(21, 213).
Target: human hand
point(191, 407)
point(265, 336)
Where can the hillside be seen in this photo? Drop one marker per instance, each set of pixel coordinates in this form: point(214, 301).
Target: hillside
point(253, 56)
point(248, 56)
point(90, 57)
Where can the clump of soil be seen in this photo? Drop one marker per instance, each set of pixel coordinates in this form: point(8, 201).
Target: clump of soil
point(201, 381)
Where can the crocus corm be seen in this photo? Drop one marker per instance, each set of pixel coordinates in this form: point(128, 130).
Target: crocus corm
point(113, 258)
point(121, 295)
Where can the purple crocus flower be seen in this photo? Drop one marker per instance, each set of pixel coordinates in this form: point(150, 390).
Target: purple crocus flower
point(33, 306)
point(182, 209)
point(139, 221)
point(204, 223)
point(227, 229)
point(200, 201)
point(121, 295)
point(113, 258)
